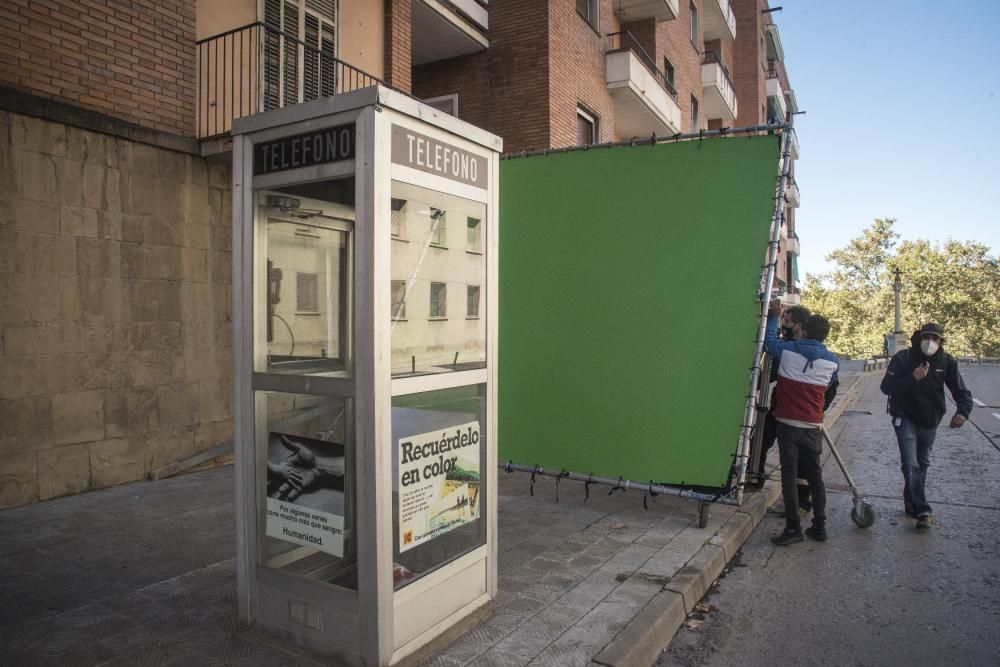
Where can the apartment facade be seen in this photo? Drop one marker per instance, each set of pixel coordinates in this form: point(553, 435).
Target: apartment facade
point(115, 179)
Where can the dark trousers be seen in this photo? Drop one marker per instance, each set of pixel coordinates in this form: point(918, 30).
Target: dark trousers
point(768, 437)
point(800, 449)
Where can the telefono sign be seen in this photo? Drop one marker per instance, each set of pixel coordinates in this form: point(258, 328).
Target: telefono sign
point(424, 153)
point(331, 144)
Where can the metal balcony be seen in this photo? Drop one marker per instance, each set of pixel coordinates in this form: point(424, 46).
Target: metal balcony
point(774, 49)
point(637, 10)
point(792, 245)
point(719, 21)
point(795, 145)
point(718, 92)
point(445, 29)
point(792, 193)
point(645, 100)
point(257, 68)
point(777, 106)
point(790, 101)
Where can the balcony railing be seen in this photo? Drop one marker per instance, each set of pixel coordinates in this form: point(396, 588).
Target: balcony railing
point(626, 41)
point(719, 20)
point(713, 57)
point(257, 68)
point(720, 94)
point(638, 10)
point(792, 195)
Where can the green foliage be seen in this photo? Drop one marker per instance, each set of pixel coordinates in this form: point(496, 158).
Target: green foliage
point(956, 284)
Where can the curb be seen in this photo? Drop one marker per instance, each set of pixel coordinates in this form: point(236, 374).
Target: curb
point(843, 398)
point(639, 644)
point(643, 638)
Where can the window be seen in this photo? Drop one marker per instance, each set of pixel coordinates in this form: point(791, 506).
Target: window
point(588, 10)
point(668, 69)
point(439, 300)
point(694, 25)
point(694, 114)
point(396, 221)
point(398, 300)
point(474, 241)
point(446, 103)
point(439, 227)
point(293, 74)
point(306, 297)
point(472, 301)
point(586, 127)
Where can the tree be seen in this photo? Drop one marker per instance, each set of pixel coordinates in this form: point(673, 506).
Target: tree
point(956, 284)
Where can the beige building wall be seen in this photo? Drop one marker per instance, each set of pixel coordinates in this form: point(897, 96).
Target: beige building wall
point(115, 357)
point(361, 33)
point(215, 17)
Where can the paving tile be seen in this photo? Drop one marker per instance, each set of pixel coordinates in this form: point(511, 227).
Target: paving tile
point(498, 658)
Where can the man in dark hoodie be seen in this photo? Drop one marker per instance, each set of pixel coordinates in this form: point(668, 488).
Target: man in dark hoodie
point(806, 369)
point(914, 383)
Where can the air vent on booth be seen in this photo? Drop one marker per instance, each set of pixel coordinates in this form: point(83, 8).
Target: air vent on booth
point(303, 614)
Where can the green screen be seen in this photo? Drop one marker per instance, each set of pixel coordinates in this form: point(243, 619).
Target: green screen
point(628, 306)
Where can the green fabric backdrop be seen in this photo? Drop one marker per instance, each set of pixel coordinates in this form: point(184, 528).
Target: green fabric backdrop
point(628, 312)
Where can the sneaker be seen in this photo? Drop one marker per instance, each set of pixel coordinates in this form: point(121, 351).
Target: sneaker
point(908, 508)
point(789, 536)
point(817, 533)
point(925, 522)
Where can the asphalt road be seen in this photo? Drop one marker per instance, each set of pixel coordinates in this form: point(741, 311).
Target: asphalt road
point(886, 595)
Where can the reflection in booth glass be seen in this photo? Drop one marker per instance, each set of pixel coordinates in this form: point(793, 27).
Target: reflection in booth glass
point(437, 268)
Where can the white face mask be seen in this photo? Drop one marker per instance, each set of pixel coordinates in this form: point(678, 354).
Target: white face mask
point(929, 346)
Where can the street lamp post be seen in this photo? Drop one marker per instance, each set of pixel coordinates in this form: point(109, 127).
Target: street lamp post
point(898, 339)
point(897, 287)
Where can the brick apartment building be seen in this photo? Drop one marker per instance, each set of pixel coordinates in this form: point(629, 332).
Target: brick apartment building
point(115, 213)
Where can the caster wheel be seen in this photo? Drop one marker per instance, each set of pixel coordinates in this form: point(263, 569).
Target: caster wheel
point(866, 518)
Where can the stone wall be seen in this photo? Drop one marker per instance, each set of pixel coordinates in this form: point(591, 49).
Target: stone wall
point(115, 344)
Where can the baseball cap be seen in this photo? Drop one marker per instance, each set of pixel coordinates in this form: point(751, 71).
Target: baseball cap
point(932, 329)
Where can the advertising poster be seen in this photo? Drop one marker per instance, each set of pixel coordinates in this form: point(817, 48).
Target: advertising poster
point(305, 492)
point(438, 477)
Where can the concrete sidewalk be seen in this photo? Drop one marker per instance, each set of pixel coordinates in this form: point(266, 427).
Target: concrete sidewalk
point(142, 574)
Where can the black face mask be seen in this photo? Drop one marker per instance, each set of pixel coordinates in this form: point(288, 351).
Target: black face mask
point(787, 333)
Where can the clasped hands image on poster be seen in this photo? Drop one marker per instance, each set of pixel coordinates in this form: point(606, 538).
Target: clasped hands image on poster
point(305, 492)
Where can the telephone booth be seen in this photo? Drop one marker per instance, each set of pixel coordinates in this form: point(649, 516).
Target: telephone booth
point(365, 342)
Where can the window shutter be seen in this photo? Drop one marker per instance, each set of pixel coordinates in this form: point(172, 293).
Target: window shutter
point(272, 53)
point(290, 27)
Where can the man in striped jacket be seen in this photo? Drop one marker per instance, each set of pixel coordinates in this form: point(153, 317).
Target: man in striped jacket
point(805, 370)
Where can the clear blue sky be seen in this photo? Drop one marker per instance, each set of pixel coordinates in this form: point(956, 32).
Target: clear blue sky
point(903, 119)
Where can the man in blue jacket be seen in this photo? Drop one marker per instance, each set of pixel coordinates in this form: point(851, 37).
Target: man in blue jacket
point(805, 370)
point(914, 383)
